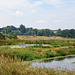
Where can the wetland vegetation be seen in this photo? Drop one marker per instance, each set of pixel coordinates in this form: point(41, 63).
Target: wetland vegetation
point(19, 59)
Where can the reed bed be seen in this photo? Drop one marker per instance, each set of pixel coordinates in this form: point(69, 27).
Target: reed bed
point(9, 66)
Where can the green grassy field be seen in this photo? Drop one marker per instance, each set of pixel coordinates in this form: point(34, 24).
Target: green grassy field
point(58, 47)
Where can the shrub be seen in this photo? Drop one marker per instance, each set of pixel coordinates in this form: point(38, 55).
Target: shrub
point(49, 54)
point(62, 52)
point(39, 56)
point(14, 36)
point(2, 37)
point(25, 56)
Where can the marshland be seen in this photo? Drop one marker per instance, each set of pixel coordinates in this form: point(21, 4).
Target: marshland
point(34, 58)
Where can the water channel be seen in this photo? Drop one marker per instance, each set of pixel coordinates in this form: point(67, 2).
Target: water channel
point(27, 45)
point(59, 63)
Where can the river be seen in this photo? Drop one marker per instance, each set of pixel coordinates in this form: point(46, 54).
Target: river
point(59, 63)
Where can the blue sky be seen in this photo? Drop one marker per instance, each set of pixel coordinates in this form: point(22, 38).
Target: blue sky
point(52, 14)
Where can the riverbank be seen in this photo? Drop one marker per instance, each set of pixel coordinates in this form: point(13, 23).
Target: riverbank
point(54, 58)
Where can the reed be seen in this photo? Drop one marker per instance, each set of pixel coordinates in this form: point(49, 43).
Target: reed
point(9, 66)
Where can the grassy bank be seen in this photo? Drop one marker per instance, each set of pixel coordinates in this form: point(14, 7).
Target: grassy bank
point(39, 40)
point(11, 67)
point(36, 52)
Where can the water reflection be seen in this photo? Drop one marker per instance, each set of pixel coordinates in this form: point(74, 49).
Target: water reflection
point(63, 63)
point(60, 59)
point(48, 60)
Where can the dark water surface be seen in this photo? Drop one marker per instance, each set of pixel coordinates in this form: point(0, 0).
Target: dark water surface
point(60, 63)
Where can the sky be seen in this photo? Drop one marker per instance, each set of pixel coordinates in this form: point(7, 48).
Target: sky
point(41, 14)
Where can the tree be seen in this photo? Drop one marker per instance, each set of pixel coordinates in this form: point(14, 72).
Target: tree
point(22, 28)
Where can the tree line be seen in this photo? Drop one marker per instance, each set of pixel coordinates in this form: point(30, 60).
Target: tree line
point(22, 30)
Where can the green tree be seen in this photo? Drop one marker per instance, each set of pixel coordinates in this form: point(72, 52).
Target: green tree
point(22, 28)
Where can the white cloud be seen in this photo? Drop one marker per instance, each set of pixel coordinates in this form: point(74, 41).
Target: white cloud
point(18, 13)
point(51, 13)
point(33, 11)
point(53, 2)
point(42, 21)
point(57, 21)
point(12, 3)
point(37, 3)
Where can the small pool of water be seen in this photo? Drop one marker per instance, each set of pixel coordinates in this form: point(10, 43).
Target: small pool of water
point(60, 63)
point(27, 45)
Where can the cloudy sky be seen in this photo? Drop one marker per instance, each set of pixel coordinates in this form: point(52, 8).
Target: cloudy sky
point(52, 14)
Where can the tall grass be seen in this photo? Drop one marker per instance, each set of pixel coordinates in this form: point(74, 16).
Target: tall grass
point(12, 67)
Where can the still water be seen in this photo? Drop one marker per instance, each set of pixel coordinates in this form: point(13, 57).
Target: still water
point(60, 63)
point(27, 45)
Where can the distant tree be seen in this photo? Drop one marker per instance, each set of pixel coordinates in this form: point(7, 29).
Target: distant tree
point(58, 33)
point(45, 32)
point(13, 28)
point(68, 33)
point(22, 28)
point(64, 33)
point(71, 33)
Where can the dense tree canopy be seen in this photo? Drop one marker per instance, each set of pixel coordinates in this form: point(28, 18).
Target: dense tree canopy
point(22, 30)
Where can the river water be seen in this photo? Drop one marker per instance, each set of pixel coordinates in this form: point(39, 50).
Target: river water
point(27, 45)
point(60, 63)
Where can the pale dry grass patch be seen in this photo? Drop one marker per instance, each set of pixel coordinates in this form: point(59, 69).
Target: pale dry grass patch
point(22, 37)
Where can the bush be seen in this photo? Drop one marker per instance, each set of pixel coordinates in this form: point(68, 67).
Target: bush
point(39, 56)
point(28, 56)
point(14, 36)
point(25, 56)
point(49, 54)
point(62, 52)
point(2, 37)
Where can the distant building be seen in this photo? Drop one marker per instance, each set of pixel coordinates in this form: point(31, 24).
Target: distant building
point(55, 31)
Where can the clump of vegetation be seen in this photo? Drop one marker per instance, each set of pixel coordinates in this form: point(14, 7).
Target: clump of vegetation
point(49, 54)
point(62, 52)
point(2, 37)
point(13, 36)
point(33, 53)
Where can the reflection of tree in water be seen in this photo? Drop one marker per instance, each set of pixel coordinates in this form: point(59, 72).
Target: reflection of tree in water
point(60, 59)
point(48, 60)
point(70, 57)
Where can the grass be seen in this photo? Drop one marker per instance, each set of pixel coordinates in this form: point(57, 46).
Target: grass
point(33, 53)
point(12, 67)
point(22, 37)
point(13, 61)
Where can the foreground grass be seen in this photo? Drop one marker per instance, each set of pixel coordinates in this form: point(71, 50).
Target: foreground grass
point(12, 67)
